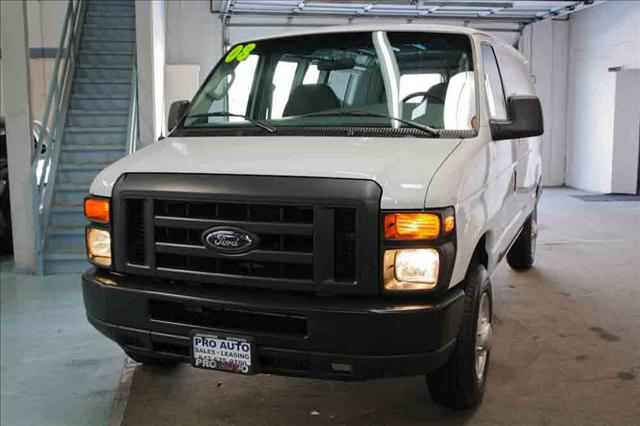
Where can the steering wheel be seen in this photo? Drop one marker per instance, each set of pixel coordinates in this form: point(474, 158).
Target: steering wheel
point(424, 95)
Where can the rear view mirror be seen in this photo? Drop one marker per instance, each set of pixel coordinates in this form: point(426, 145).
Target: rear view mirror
point(525, 119)
point(176, 112)
point(336, 64)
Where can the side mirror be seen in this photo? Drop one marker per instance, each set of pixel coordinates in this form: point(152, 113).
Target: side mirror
point(176, 112)
point(525, 120)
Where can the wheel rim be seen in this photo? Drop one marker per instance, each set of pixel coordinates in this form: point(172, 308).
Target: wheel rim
point(534, 232)
point(483, 336)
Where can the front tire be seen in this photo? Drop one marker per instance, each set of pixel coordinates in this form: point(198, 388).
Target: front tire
point(522, 253)
point(460, 382)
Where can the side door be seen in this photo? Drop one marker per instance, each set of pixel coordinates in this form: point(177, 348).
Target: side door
point(503, 182)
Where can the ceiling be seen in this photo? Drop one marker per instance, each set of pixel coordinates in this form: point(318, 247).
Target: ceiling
point(510, 12)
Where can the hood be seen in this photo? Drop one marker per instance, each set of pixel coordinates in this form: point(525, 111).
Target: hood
point(403, 167)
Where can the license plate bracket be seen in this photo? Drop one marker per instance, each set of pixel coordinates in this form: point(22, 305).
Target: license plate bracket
point(223, 352)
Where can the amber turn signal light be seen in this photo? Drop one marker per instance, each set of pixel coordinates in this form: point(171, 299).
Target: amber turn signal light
point(411, 226)
point(97, 209)
point(449, 223)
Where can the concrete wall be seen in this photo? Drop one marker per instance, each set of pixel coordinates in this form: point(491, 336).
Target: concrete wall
point(604, 36)
point(194, 35)
point(45, 19)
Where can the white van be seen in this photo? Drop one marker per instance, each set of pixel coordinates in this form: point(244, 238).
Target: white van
point(331, 204)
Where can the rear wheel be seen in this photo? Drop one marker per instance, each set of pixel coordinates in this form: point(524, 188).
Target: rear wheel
point(522, 253)
point(460, 382)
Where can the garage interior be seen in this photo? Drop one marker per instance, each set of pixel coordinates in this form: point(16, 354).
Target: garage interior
point(566, 340)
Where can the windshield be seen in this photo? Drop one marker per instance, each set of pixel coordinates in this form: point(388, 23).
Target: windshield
point(338, 79)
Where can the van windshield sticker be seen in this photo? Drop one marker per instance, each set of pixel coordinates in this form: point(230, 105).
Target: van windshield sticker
point(239, 53)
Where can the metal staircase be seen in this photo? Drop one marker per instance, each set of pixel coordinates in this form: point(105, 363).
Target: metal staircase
point(96, 125)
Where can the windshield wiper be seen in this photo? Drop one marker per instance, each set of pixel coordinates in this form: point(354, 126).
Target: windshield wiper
point(423, 127)
point(269, 128)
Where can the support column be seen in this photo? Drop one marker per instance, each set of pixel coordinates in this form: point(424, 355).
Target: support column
point(17, 102)
point(150, 59)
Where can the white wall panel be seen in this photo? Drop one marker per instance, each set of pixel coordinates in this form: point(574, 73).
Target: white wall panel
point(626, 126)
point(601, 37)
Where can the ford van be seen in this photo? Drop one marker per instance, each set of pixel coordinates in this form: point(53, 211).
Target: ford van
point(330, 204)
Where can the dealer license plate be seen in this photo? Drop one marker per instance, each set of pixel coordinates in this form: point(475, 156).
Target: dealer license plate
point(226, 353)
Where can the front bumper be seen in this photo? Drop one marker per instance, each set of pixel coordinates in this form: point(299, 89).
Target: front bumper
point(294, 334)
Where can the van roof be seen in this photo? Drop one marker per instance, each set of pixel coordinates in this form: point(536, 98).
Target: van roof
point(379, 27)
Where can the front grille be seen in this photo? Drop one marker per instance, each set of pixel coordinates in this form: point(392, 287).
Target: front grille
point(312, 244)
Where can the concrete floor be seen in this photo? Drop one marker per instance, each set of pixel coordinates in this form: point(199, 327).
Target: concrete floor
point(56, 370)
point(566, 350)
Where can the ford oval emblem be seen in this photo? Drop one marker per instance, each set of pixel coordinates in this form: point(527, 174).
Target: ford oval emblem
point(229, 240)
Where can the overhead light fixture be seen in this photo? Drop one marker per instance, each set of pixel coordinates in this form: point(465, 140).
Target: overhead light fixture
point(467, 3)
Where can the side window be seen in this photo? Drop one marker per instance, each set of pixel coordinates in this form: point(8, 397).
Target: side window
point(493, 84)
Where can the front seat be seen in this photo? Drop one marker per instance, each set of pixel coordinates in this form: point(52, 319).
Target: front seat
point(309, 98)
point(437, 93)
point(460, 102)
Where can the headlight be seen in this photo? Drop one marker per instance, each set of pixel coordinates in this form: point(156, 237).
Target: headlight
point(411, 269)
point(99, 246)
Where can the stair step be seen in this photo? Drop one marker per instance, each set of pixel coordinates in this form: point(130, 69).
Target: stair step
point(71, 186)
point(94, 102)
point(113, 25)
point(66, 230)
point(97, 118)
point(80, 111)
point(67, 208)
point(104, 67)
point(64, 240)
point(73, 217)
point(103, 147)
point(110, 58)
point(113, 13)
point(120, 72)
point(95, 135)
point(83, 166)
point(122, 46)
point(102, 81)
point(92, 156)
point(105, 20)
point(92, 129)
point(90, 52)
point(76, 175)
point(66, 253)
point(126, 34)
point(112, 2)
point(120, 88)
point(99, 96)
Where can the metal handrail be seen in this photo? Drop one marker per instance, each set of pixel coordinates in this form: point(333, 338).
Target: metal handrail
point(132, 120)
point(54, 115)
